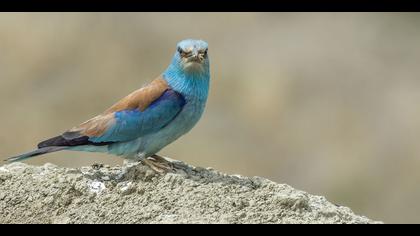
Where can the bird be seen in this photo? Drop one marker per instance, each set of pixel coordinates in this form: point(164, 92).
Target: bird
point(141, 124)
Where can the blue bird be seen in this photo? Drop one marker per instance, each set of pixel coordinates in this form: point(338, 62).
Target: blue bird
point(148, 119)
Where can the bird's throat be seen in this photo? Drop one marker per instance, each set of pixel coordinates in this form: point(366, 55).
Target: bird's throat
point(193, 85)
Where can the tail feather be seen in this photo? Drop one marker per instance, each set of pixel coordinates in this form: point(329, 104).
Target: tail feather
point(36, 152)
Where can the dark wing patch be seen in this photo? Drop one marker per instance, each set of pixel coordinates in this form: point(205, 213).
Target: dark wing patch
point(62, 141)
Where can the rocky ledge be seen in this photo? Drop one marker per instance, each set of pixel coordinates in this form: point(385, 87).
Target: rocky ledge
point(133, 193)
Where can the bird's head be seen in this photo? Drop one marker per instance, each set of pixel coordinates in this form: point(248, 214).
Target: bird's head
point(191, 55)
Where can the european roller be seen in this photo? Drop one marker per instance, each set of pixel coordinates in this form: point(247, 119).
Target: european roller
point(142, 123)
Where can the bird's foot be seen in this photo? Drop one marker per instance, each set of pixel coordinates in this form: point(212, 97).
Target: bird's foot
point(159, 164)
point(97, 166)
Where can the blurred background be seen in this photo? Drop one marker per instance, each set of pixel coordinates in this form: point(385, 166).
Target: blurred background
point(328, 103)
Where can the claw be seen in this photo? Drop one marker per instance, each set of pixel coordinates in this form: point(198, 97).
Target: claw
point(159, 164)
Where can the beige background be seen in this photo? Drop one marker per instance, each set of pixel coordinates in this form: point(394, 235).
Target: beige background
point(326, 102)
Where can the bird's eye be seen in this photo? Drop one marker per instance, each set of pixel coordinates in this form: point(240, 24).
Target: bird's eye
point(180, 50)
point(203, 53)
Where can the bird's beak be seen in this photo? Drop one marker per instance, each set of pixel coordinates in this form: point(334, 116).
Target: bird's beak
point(196, 57)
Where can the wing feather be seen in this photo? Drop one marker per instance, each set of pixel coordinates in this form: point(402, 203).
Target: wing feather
point(144, 111)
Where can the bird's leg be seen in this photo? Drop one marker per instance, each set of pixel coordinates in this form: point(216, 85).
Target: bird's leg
point(158, 164)
point(161, 159)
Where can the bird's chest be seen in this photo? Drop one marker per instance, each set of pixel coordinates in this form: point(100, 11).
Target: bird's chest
point(183, 122)
point(152, 143)
point(188, 116)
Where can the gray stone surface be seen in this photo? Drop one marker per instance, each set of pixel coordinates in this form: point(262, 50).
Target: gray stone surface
point(133, 193)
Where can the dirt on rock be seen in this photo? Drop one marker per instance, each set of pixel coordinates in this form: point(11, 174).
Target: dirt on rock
point(133, 193)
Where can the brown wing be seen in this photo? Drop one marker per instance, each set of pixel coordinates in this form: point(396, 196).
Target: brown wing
point(142, 98)
point(139, 99)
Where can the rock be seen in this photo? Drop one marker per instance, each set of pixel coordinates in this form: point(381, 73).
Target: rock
point(135, 194)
